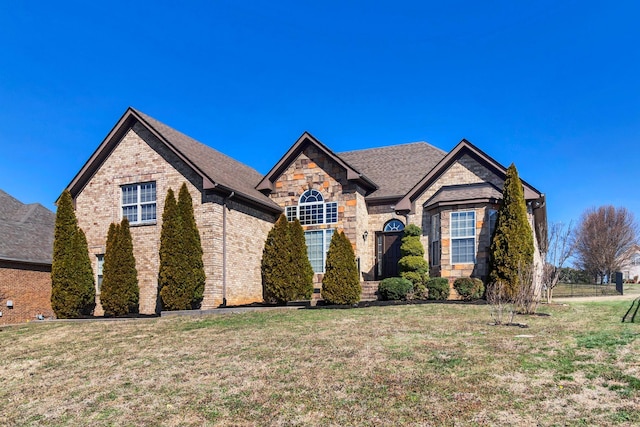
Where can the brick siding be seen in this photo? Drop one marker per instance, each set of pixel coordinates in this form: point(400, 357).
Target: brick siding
point(29, 287)
point(141, 157)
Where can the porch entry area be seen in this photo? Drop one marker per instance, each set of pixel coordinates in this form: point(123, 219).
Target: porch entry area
point(388, 249)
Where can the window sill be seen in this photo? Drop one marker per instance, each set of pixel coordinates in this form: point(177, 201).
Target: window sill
point(142, 224)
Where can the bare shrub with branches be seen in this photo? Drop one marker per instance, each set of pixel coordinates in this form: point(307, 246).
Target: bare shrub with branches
point(559, 250)
point(499, 303)
point(526, 298)
point(603, 239)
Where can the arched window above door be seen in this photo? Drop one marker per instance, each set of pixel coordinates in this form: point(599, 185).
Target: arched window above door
point(393, 225)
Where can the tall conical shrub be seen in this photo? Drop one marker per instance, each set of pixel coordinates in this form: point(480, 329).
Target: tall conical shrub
point(192, 247)
point(173, 277)
point(119, 294)
point(277, 274)
point(72, 282)
point(301, 269)
point(412, 264)
point(512, 245)
point(341, 283)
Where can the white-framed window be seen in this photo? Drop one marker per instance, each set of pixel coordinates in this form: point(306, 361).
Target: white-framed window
point(463, 237)
point(139, 202)
point(636, 259)
point(291, 212)
point(313, 210)
point(317, 246)
point(393, 225)
point(434, 250)
point(99, 267)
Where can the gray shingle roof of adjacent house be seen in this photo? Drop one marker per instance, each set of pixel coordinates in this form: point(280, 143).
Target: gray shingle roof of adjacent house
point(394, 169)
point(219, 167)
point(26, 231)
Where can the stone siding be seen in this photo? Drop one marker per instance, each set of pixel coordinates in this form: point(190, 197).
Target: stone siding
point(312, 169)
point(29, 287)
point(378, 216)
point(466, 170)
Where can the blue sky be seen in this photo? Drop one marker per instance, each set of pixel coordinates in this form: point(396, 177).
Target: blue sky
point(553, 87)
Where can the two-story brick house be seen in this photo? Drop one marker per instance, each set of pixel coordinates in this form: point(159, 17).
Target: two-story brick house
point(370, 194)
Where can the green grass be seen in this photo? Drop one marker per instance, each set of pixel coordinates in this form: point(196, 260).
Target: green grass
point(432, 364)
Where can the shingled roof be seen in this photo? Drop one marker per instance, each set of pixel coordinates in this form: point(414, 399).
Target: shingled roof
point(26, 230)
point(395, 169)
point(465, 193)
point(218, 171)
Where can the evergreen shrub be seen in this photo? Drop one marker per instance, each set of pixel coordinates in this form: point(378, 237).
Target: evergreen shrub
point(512, 243)
point(394, 289)
point(412, 265)
point(469, 288)
point(72, 280)
point(438, 288)
point(119, 294)
point(341, 282)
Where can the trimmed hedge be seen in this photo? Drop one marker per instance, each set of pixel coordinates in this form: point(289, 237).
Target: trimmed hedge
point(469, 288)
point(438, 288)
point(394, 289)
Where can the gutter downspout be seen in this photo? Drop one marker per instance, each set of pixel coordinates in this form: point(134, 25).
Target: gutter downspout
point(224, 248)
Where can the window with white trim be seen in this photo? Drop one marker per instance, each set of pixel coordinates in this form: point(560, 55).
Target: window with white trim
point(317, 247)
point(635, 260)
point(139, 202)
point(463, 237)
point(434, 250)
point(313, 210)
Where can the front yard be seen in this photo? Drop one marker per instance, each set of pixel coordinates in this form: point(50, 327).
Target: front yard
point(431, 364)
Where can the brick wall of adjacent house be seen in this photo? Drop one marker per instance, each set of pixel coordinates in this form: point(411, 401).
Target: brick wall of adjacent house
point(312, 169)
point(141, 157)
point(29, 288)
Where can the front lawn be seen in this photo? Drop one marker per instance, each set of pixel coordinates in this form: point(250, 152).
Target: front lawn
point(431, 364)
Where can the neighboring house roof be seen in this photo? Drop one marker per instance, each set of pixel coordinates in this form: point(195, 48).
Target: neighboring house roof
point(395, 169)
point(219, 172)
point(26, 230)
point(465, 193)
point(298, 147)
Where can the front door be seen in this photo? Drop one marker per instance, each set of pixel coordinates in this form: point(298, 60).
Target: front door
point(388, 254)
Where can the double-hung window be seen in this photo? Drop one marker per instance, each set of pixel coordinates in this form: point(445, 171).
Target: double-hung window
point(139, 202)
point(463, 237)
point(317, 246)
point(312, 209)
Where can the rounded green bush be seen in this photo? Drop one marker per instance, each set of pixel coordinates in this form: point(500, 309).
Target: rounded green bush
point(438, 288)
point(419, 280)
point(411, 246)
point(413, 263)
point(412, 230)
point(394, 289)
point(469, 288)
